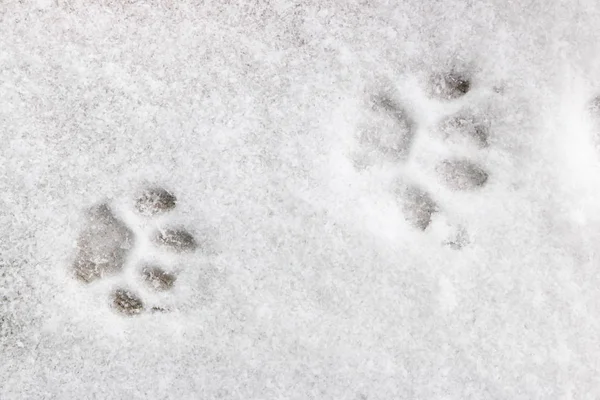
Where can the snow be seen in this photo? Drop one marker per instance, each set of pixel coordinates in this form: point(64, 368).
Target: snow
point(311, 283)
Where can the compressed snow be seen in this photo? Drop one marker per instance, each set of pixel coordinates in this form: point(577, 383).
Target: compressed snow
point(311, 283)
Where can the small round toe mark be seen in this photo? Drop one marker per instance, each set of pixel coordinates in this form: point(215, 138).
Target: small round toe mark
point(462, 174)
point(178, 240)
point(155, 201)
point(418, 207)
point(158, 278)
point(450, 86)
point(466, 126)
point(127, 303)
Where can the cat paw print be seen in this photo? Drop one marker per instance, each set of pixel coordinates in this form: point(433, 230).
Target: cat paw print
point(434, 147)
point(108, 247)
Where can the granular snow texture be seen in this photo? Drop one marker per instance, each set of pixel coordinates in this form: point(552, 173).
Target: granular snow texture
point(299, 200)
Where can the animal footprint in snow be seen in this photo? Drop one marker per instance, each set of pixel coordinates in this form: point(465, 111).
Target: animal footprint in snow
point(390, 133)
point(105, 247)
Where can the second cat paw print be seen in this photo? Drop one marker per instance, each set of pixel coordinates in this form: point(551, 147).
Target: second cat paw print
point(433, 142)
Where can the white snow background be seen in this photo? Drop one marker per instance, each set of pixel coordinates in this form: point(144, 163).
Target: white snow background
point(315, 287)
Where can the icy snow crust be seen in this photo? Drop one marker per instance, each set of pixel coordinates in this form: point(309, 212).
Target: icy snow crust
point(314, 283)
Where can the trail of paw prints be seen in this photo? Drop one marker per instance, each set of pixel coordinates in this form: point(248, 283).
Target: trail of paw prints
point(106, 249)
point(396, 136)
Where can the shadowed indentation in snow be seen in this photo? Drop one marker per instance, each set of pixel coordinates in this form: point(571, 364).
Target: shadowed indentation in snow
point(461, 174)
point(103, 246)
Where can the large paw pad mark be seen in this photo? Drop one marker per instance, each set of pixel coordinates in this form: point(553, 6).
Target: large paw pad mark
point(389, 133)
point(105, 245)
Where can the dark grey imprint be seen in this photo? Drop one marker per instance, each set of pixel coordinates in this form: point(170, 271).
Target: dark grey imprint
point(158, 278)
point(418, 206)
point(103, 246)
point(450, 86)
point(154, 201)
point(461, 174)
point(176, 239)
point(127, 303)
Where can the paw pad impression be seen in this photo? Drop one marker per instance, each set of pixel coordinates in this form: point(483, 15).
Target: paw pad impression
point(158, 278)
point(103, 246)
point(450, 86)
point(176, 239)
point(459, 174)
point(155, 201)
point(127, 302)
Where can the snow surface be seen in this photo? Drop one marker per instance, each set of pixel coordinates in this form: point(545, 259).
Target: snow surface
point(315, 286)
